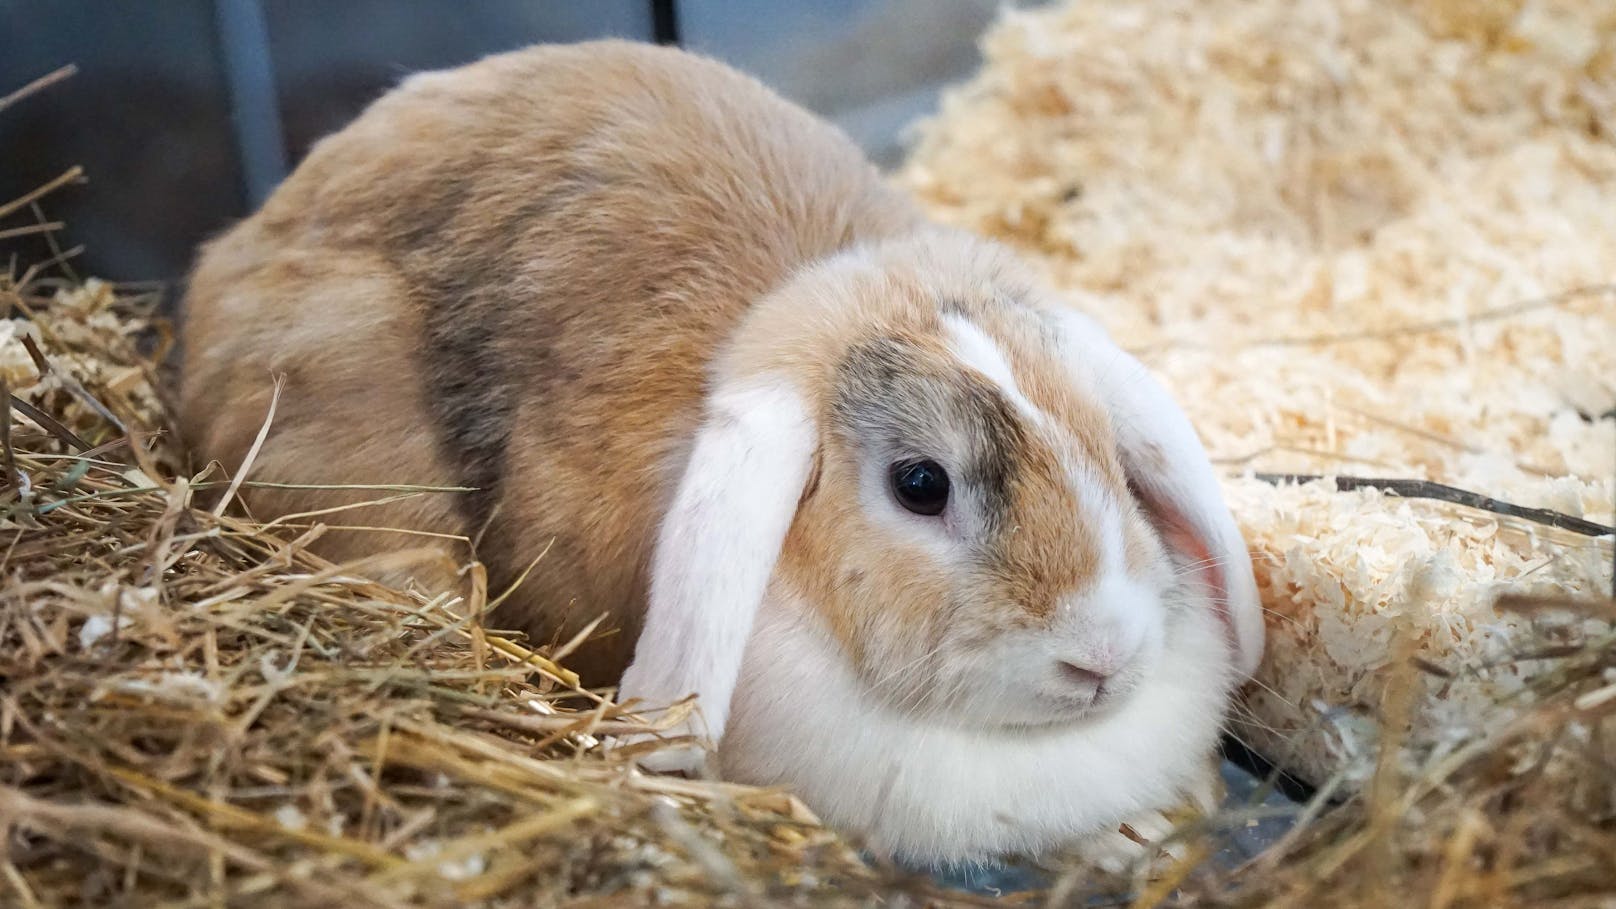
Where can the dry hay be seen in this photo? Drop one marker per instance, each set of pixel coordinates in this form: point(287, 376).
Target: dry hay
point(195, 711)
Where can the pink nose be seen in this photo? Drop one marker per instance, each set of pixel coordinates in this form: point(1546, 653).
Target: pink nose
point(1083, 678)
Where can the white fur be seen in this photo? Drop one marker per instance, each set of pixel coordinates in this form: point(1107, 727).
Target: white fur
point(718, 544)
point(923, 790)
point(974, 349)
point(1147, 420)
point(1102, 512)
point(1107, 627)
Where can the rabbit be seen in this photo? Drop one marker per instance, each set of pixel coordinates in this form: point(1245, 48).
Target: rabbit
point(927, 546)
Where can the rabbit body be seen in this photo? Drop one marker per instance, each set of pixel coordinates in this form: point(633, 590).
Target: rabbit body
point(926, 544)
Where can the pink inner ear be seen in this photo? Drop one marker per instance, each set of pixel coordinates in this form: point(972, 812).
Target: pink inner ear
point(1179, 534)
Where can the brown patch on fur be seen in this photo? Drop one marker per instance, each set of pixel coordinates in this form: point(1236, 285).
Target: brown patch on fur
point(338, 419)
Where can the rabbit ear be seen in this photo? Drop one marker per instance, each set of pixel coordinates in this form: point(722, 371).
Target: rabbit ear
point(1171, 475)
point(718, 544)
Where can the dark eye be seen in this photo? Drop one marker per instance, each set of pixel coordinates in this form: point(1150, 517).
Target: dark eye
point(921, 486)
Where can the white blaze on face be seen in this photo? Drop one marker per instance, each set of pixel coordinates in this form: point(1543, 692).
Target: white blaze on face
point(973, 348)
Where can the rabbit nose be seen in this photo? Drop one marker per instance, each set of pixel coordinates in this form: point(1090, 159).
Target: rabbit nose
point(1083, 678)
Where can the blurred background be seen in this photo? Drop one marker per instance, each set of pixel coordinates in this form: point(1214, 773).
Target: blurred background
point(186, 113)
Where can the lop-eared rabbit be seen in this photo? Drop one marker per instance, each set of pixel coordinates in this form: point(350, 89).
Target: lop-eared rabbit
point(931, 549)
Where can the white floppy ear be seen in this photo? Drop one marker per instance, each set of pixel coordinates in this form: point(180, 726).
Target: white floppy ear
point(1171, 474)
point(718, 543)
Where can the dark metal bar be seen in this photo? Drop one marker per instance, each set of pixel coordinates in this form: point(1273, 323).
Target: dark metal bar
point(665, 22)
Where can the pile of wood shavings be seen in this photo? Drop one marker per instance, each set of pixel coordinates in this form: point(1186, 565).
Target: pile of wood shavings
point(1366, 238)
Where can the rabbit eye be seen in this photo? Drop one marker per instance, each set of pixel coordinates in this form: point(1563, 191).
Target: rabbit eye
point(920, 486)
